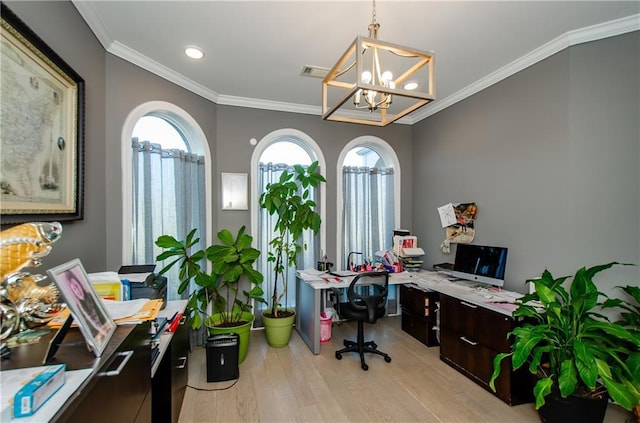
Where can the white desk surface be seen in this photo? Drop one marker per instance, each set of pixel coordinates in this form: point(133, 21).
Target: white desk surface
point(175, 306)
point(493, 298)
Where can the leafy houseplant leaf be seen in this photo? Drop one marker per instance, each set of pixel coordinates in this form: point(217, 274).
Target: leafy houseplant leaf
point(229, 261)
point(295, 213)
point(572, 347)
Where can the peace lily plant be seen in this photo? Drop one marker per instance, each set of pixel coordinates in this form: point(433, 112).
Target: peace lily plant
point(570, 346)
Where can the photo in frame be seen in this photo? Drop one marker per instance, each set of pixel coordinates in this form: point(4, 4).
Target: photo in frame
point(41, 121)
point(86, 307)
point(234, 191)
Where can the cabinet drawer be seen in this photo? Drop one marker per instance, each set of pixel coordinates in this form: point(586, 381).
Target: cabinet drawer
point(477, 323)
point(418, 302)
point(121, 387)
point(476, 361)
point(420, 328)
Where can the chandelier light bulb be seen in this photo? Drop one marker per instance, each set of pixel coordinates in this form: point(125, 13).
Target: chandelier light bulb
point(387, 77)
point(366, 77)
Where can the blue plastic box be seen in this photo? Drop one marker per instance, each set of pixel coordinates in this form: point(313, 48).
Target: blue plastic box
point(37, 391)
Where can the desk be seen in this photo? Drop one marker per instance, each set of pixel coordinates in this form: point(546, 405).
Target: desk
point(309, 291)
point(123, 397)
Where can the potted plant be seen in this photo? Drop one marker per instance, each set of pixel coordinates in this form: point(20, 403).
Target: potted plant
point(295, 213)
point(217, 296)
point(630, 315)
point(576, 353)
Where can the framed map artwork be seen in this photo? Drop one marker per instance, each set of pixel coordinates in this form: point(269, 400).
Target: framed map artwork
point(41, 129)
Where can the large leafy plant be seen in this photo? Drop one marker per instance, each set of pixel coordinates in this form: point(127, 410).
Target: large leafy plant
point(289, 200)
point(218, 290)
point(572, 347)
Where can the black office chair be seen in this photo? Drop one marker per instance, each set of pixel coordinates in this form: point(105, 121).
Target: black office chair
point(367, 298)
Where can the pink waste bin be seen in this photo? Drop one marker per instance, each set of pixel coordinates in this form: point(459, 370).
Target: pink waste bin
point(325, 326)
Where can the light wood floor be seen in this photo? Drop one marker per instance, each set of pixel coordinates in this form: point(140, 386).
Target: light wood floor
point(293, 385)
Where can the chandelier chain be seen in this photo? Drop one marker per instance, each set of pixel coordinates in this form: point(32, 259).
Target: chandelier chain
point(373, 14)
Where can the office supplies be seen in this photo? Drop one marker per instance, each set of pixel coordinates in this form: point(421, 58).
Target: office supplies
point(175, 322)
point(38, 390)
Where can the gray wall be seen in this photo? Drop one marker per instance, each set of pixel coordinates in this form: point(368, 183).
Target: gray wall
point(550, 156)
point(60, 26)
point(237, 125)
point(129, 86)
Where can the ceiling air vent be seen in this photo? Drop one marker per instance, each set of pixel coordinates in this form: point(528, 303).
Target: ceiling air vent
point(314, 71)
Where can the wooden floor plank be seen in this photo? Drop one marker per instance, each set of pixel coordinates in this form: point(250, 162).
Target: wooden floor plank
point(291, 384)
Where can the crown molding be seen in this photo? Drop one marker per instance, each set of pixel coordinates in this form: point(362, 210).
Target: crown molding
point(579, 36)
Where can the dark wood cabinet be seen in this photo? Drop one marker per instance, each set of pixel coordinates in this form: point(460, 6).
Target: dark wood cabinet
point(120, 384)
point(419, 309)
point(470, 338)
point(170, 380)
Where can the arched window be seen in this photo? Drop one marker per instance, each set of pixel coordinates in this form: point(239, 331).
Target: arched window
point(166, 173)
point(276, 152)
point(368, 209)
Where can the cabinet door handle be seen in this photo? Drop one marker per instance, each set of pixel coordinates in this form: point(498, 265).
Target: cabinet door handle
point(464, 303)
point(468, 341)
point(126, 355)
point(183, 363)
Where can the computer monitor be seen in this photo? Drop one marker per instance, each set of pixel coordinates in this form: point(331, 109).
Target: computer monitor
point(480, 263)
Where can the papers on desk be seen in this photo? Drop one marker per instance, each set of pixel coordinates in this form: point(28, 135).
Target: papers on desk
point(121, 309)
point(310, 274)
point(124, 312)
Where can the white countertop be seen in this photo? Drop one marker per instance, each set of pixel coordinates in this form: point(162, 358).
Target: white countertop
point(493, 298)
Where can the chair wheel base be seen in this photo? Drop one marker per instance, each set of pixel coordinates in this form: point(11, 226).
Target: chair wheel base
point(361, 349)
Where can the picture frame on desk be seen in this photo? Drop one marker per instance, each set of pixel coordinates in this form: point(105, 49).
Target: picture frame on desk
point(86, 307)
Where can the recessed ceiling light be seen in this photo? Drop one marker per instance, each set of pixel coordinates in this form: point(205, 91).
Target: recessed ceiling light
point(410, 85)
point(194, 52)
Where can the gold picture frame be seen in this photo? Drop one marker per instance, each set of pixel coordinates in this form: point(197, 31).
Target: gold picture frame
point(42, 122)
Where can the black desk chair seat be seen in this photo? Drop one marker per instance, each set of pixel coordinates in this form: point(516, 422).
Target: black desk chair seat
point(367, 298)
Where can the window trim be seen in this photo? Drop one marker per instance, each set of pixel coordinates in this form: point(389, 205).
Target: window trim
point(307, 144)
point(388, 154)
point(195, 139)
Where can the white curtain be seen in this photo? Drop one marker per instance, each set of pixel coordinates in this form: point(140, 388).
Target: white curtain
point(368, 216)
point(168, 199)
point(269, 172)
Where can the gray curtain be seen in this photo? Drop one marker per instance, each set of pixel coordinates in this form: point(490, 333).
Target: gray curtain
point(269, 172)
point(368, 217)
point(168, 198)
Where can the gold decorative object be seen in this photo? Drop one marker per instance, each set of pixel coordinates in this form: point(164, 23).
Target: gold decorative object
point(26, 299)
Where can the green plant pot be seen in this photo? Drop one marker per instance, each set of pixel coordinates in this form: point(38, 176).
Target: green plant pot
point(278, 330)
point(243, 331)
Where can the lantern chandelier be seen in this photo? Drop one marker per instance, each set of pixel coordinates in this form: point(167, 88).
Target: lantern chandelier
point(377, 83)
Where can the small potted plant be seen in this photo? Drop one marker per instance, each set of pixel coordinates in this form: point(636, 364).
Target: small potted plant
point(218, 296)
point(288, 199)
point(579, 357)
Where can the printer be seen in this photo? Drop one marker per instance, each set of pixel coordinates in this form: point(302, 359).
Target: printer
point(144, 283)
